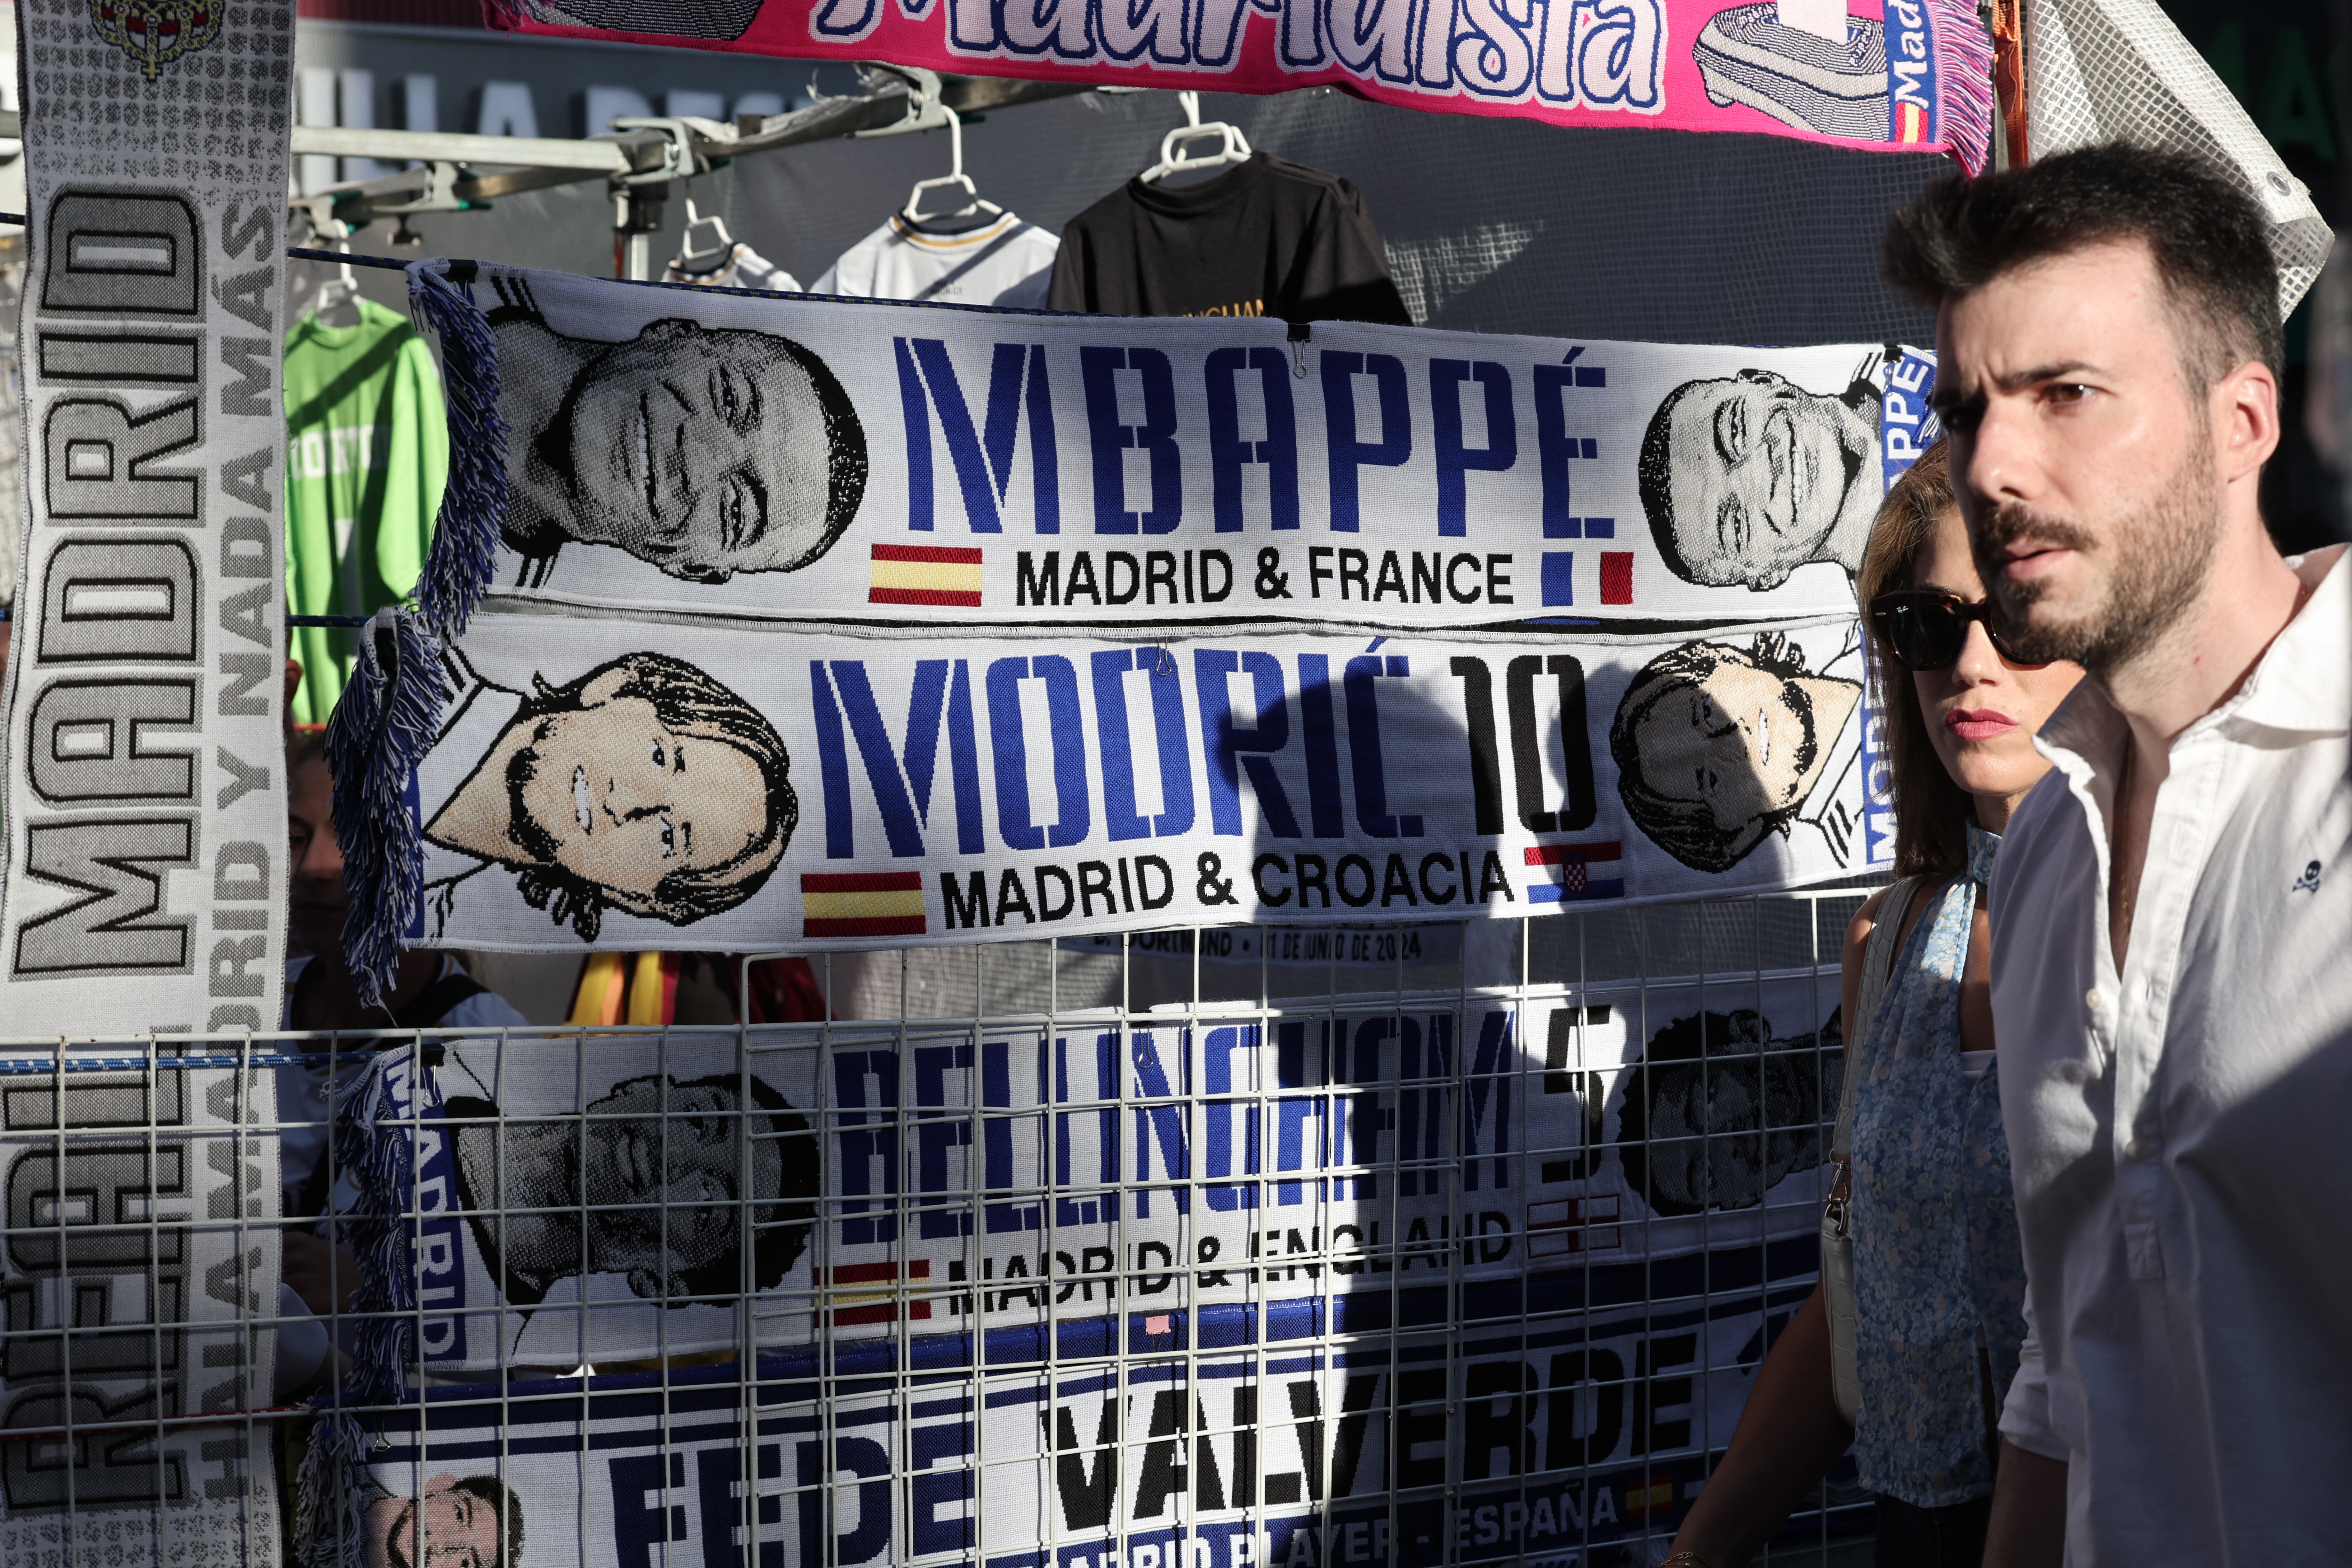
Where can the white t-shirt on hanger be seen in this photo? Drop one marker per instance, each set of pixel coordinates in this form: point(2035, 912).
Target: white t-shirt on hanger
point(740, 267)
point(1000, 260)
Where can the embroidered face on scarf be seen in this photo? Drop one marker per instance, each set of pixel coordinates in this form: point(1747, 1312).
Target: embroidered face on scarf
point(705, 452)
point(1748, 478)
point(1715, 746)
point(1718, 1113)
point(650, 1183)
point(474, 1522)
point(645, 785)
point(674, 1179)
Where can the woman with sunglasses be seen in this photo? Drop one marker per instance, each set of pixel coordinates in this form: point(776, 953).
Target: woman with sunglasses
point(1939, 1281)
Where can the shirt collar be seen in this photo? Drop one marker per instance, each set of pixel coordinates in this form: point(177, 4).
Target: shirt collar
point(1982, 848)
point(2301, 682)
point(2304, 681)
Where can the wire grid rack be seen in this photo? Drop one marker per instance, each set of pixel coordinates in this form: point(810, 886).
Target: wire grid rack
point(1534, 1377)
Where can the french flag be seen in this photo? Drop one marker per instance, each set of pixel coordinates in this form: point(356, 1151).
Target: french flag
point(1571, 868)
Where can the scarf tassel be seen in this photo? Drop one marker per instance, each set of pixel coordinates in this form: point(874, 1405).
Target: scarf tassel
point(1964, 92)
point(379, 732)
point(378, 1152)
point(330, 1506)
point(463, 554)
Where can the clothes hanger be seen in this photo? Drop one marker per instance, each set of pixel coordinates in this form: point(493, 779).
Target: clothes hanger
point(913, 211)
point(338, 304)
point(1232, 146)
point(690, 259)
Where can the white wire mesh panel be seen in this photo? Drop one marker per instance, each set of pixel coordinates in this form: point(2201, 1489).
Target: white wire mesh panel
point(2103, 70)
point(1439, 1244)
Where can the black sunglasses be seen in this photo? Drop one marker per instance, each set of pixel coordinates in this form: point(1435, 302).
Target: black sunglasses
point(1927, 630)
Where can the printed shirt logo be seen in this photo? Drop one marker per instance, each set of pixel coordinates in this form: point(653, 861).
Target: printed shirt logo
point(2309, 881)
point(156, 32)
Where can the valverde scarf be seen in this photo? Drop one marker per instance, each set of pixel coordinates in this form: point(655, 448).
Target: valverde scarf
point(1909, 75)
point(1286, 1178)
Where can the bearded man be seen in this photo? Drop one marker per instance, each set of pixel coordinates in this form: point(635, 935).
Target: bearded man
point(2170, 910)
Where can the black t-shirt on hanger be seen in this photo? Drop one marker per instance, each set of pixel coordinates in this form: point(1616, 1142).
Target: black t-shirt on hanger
point(1267, 238)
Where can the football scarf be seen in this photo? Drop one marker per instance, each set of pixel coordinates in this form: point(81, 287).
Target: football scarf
point(145, 798)
point(546, 1203)
point(994, 1203)
point(1905, 75)
point(929, 468)
point(142, 1269)
point(550, 782)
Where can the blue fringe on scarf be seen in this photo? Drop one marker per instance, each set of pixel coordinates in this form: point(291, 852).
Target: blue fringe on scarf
point(376, 736)
point(463, 554)
point(378, 1150)
point(332, 1495)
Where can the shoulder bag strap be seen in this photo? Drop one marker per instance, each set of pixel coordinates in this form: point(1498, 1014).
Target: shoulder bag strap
point(1877, 961)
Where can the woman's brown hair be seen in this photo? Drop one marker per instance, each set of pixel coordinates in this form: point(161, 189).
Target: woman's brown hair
point(1931, 810)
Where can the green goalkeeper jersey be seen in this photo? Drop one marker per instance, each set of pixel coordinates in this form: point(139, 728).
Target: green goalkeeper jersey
point(367, 449)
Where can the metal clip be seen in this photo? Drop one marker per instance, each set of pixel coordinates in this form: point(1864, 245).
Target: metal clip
point(1837, 1214)
point(1301, 334)
point(925, 109)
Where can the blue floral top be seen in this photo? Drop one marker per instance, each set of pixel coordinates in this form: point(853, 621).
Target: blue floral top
point(1940, 1276)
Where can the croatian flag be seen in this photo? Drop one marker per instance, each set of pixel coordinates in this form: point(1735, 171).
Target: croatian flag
point(1569, 869)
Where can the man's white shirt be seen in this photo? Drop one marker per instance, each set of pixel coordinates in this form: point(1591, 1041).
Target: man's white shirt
point(2180, 1134)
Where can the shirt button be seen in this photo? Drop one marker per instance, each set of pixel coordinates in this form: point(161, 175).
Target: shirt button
point(2096, 1000)
point(2138, 1149)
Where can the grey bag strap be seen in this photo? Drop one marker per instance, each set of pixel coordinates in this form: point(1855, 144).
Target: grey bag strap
point(1877, 960)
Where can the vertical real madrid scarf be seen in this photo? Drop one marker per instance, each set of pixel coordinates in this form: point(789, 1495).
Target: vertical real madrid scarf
point(146, 1323)
point(146, 801)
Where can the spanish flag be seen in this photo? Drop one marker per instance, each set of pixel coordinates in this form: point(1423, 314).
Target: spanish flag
point(1657, 1497)
point(862, 903)
point(1913, 120)
point(924, 574)
point(885, 1275)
